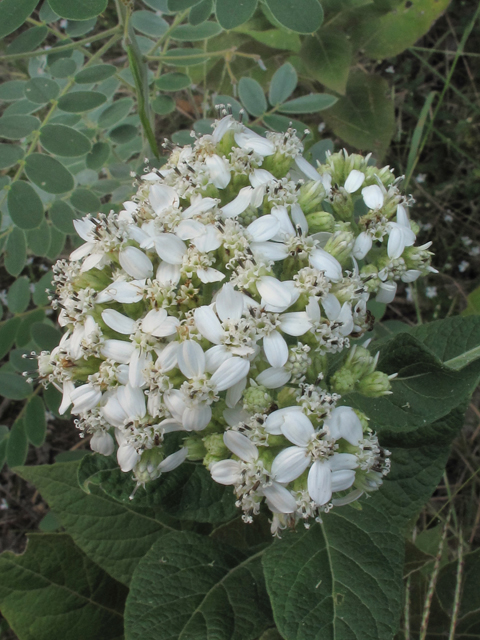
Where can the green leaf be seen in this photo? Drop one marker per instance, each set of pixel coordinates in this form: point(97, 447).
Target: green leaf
point(18, 296)
point(365, 117)
point(115, 113)
point(35, 421)
point(62, 216)
point(64, 141)
point(12, 90)
point(17, 444)
point(21, 107)
point(16, 127)
point(80, 101)
point(74, 10)
point(40, 296)
point(328, 58)
point(53, 400)
point(302, 16)
point(45, 336)
point(149, 23)
point(15, 252)
point(283, 84)
point(200, 12)
point(28, 40)
point(173, 81)
point(187, 493)
point(97, 73)
point(181, 5)
point(14, 387)
point(48, 173)
point(251, 94)
point(41, 90)
point(280, 123)
point(318, 151)
point(309, 104)
point(113, 535)
point(8, 332)
point(13, 14)
point(46, 14)
point(123, 134)
point(49, 523)
point(186, 57)
point(63, 68)
point(228, 100)
point(24, 335)
point(190, 33)
point(10, 155)
point(98, 156)
point(468, 618)
point(77, 28)
point(63, 593)
point(218, 592)
point(233, 13)
point(85, 201)
point(277, 39)
point(57, 242)
point(383, 35)
point(163, 105)
point(24, 205)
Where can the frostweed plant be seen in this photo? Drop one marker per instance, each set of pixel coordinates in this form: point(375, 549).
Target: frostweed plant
point(227, 302)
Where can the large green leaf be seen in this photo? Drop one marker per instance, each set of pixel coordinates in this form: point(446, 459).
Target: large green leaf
point(328, 56)
point(283, 84)
point(190, 587)
point(187, 493)
point(383, 35)
point(15, 252)
point(75, 10)
point(48, 173)
point(54, 591)
point(252, 96)
point(16, 127)
point(13, 14)
point(24, 205)
point(303, 16)
point(233, 13)
point(113, 535)
point(28, 40)
point(64, 141)
point(364, 117)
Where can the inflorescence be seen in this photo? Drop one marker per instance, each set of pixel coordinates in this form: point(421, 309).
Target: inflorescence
point(205, 314)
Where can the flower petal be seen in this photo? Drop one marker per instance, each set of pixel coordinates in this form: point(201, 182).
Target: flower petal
point(344, 423)
point(208, 324)
point(240, 445)
point(320, 482)
point(226, 472)
point(234, 393)
point(239, 204)
point(230, 372)
point(276, 349)
point(174, 460)
point(373, 196)
point(168, 274)
point(274, 377)
point(127, 457)
point(102, 442)
point(197, 418)
point(279, 498)
point(118, 322)
point(275, 420)
point(135, 263)
point(161, 197)
point(342, 480)
point(263, 228)
point(298, 429)
point(323, 261)
point(191, 359)
point(229, 303)
point(290, 464)
point(354, 181)
point(295, 323)
point(170, 248)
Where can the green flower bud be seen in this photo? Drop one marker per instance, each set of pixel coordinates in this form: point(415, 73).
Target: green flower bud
point(320, 221)
point(256, 399)
point(195, 446)
point(342, 204)
point(215, 446)
point(364, 420)
point(375, 385)
point(278, 164)
point(343, 381)
point(287, 397)
point(340, 245)
point(311, 195)
point(369, 275)
point(146, 468)
point(385, 174)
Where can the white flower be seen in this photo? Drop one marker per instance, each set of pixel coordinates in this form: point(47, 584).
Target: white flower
point(354, 181)
point(373, 196)
point(84, 398)
point(323, 261)
point(135, 263)
point(102, 442)
point(400, 234)
point(362, 246)
point(386, 292)
point(219, 171)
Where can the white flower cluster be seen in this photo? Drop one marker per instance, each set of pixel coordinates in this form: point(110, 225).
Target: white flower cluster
point(209, 306)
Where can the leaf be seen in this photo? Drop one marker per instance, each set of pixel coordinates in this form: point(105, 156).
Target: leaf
point(13, 14)
point(383, 35)
point(24, 205)
point(113, 535)
point(17, 445)
point(29, 40)
point(41, 287)
point(63, 594)
point(10, 155)
point(283, 84)
point(328, 57)
point(319, 150)
point(96, 73)
point(302, 16)
point(15, 252)
point(76, 28)
point(74, 10)
point(277, 39)
point(149, 23)
point(163, 105)
point(85, 201)
point(124, 133)
point(173, 81)
point(228, 100)
point(81, 101)
point(35, 421)
point(12, 90)
point(64, 141)
point(24, 330)
point(98, 156)
point(115, 113)
point(233, 13)
point(18, 296)
point(251, 94)
point(48, 173)
point(14, 387)
point(468, 614)
point(187, 493)
point(16, 127)
point(41, 90)
point(309, 104)
point(8, 332)
point(280, 123)
point(39, 239)
point(63, 68)
point(185, 57)
point(57, 242)
point(364, 117)
point(181, 5)
point(190, 33)
point(62, 216)
point(188, 586)
point(200, 12)
point(45, 336)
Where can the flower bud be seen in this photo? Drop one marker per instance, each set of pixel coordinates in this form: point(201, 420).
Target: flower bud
point(340, 245)
point(320, 221)
point(147, 468)
point(343, 381)
point(256, 399)
point(195, 446)
point(375, 385)
point(215, 449)
point(342, 204)
point(311, 195)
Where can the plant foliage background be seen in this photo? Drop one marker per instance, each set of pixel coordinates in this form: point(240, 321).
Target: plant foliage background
point(89, 91)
